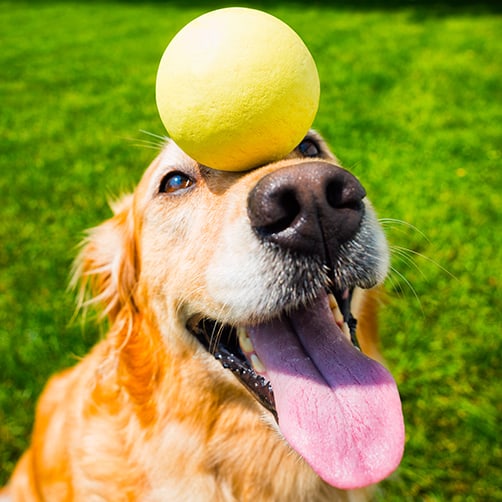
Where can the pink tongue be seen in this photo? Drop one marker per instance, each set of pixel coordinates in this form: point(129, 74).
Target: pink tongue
point(336, 407)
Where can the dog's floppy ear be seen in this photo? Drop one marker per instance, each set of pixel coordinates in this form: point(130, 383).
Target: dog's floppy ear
point(106, 267)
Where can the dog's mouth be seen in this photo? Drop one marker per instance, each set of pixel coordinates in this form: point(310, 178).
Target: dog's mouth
point(339, 409)
point(233, 348)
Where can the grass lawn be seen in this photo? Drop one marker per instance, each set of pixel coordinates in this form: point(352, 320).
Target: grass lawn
point(411, 102)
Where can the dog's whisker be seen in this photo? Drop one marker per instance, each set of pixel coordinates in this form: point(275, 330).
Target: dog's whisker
point(147, 144)
point(401, 255)
point(157, 143)
point(408, 283)
point(403, 251)
point(216, 336)
point(396, 223)
point(395, 285)
point(162, 138)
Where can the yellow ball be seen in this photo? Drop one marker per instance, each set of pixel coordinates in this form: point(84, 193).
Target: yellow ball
point(237, 88)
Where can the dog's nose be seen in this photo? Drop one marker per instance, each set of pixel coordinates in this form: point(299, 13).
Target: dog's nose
point(310, 208)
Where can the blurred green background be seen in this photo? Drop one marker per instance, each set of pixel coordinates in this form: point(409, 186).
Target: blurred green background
point(411, 103)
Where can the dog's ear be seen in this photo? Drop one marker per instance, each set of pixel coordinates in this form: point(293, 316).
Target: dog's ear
point(105, 270)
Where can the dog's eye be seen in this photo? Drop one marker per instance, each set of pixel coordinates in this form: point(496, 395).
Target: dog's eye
point(309, 148)
point(174, 182)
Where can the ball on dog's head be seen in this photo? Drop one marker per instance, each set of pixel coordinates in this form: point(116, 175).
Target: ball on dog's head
point(237, 88)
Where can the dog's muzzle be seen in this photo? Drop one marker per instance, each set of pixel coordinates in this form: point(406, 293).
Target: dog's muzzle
point(336, 407)
point(309, 208)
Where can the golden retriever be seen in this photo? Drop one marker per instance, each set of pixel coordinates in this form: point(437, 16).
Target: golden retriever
point(231, 370)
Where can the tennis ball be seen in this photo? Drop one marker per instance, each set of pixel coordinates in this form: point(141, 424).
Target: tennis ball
point(237, 88)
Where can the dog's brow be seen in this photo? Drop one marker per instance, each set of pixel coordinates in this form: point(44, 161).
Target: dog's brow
point(214, 177)
point(206, 172)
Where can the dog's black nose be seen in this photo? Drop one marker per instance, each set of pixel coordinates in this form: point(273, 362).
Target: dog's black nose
point(310, 208)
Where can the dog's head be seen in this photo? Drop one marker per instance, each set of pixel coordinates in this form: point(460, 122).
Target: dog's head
point(258, 269)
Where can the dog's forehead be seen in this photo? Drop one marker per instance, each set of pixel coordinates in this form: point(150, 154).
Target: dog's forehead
point(172, 154)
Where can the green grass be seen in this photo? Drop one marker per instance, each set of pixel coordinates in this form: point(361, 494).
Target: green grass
point(411, 101)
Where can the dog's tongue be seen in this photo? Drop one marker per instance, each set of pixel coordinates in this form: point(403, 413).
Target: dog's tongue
point(336, 407)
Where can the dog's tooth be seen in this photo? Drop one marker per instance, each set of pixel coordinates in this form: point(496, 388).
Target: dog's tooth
point(332, 302)
point(337, 314)
point(244, 340)
point(345, 330)
point(258, 366)
point(241, 332)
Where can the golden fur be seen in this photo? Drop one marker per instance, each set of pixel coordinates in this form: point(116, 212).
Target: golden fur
point(149, 415)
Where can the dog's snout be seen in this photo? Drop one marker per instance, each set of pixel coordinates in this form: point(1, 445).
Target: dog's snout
point(311, 208)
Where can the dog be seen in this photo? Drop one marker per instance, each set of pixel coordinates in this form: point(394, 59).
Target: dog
point(232, 369)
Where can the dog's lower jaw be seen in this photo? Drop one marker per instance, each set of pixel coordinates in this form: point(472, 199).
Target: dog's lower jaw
point(229, 440)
